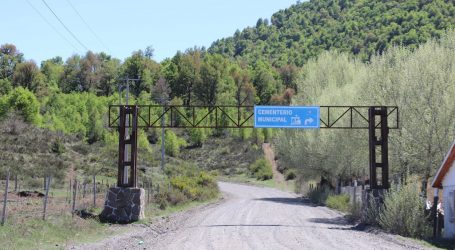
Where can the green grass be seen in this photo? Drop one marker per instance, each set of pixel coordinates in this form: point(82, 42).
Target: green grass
point(339, 202)
point(53, 233)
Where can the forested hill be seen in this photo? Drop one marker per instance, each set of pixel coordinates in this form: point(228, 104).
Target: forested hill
point(364, 28)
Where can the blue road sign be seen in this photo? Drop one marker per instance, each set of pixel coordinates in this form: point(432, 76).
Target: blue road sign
point(286, 117)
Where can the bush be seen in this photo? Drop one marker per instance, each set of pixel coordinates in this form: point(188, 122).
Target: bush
point(290, 174)
point(161, 199)
point(403, 212)
point(25, 101)
point(261, 169)
point(319, 195)
point(371, 214)
point(339, 202)
point(199, 187)
point(172, 143)
point(176, 197)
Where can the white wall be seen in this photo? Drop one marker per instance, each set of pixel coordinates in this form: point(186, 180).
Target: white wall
point(449, 186)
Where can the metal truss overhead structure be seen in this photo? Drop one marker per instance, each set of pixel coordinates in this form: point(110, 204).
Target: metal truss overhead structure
point(129, 118)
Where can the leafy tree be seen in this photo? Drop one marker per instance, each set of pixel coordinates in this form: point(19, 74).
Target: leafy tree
point(5, 86)
point(9, 57)
point(109, 74)
point(183, 73)
point(90, 72)
point(71, 78)
point(28, 75)
point(140, 67)
point(52, 69)
point(173, 143)
point(25, 102)
point(213, 75)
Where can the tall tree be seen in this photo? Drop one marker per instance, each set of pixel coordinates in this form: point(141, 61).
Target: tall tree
point(90, 72)
point(9, 57)
point(28, 75)
point(144, 69)
point(214, 71)
point(52, 70)
point(71, 78)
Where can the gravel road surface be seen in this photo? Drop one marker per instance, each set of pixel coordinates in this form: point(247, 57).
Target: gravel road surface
point(252, 217)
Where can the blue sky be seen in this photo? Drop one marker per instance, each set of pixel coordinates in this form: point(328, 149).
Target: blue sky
point(124, 26)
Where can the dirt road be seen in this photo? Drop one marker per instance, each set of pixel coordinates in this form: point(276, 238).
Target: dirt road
point(255, 218)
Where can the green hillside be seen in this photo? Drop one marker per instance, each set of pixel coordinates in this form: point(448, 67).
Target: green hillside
point(363, 28)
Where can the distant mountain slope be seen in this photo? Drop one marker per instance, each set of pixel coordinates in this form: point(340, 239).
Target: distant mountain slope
point(359, 26)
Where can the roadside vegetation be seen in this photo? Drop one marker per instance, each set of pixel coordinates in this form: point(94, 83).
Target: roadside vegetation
point(54, 233)
point(420, 83)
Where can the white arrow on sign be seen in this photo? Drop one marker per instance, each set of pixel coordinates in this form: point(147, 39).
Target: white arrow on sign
point(308, 121)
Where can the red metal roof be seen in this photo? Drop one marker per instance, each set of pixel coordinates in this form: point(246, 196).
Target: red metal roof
point(446, 165)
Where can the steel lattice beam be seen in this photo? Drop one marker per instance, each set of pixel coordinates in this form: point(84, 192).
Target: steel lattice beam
point(222, 116)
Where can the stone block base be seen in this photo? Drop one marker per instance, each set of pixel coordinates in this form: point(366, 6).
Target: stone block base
point(123, 205)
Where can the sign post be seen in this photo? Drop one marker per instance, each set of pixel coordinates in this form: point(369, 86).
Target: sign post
point(286, 117)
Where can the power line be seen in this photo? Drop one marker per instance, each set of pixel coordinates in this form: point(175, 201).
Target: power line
point(88, 26)
point(52, 26)
point(69, 31)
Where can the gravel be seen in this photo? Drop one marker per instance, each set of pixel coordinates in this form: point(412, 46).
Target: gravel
point(252, 217)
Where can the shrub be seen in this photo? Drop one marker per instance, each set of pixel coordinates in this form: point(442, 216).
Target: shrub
point(354, 212)
point(176, 197)
point(319, 195)
point(261, 169)
point(172, 143)
point(161, 199)
point(403, 212)
point(339, 202)
point(26, 102)
point(371, 214)
point(290, 174)
point(199, 187)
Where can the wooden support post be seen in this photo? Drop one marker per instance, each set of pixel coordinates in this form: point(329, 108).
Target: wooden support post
point(15, 183)
point(48, 185)
point(94, 190)
point(84, 189)
point(73, 209)
point(5, 199)
point(69, 192)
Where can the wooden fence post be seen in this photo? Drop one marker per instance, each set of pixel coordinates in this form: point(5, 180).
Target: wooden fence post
point(84, 189)
point(74, 196)
point(148, 192)
point(94, 190)
point(15, 183)
point(5, 199)
point(48, 185)
point(69, 193)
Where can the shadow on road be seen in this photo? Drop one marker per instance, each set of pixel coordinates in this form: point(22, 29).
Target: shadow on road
point(334, 221)
point(251, 225)
point(289, 201)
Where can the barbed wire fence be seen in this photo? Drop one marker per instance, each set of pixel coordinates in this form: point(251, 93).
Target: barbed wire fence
point(25, 200)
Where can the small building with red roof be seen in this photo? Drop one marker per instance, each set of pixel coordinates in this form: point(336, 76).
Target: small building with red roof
point(445, 180)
